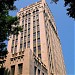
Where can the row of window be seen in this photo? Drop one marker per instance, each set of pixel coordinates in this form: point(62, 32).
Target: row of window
point(49, 49)
point(39, 73)
point(36, 32)
point(20, 68)
point(25, 34)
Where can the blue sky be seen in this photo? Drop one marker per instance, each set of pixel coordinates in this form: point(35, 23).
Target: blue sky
point(65, 27)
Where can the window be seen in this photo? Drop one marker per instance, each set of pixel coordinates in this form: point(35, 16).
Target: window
point(38, 28)
point(34, 70)
point(38, 34)
point(16, 36)
point(29, 37)
point(33, 12)
point(38, 41)
point(34, 43)
point(29, 19)
point(28, 44)
point(33, 23)
point(12, 42)
point(34, 29)
point(33, 17)
point(28, 31)
point(22, 34)
point(34, 35)
point(37, 16)
point(16, 41)
point(34, 49)
point(15, 49)
point(12, 49)
point(39, 47)
point(20, 46)
point(42, 73)
point(38, 72)
point(25, 32)
point(24, 38)
point(13, 70)
point(37, 22)
point(21, 40)
point(25, 45)
point(20, 67)
point(13, 37)
point(28, 26)
point(23, 22)
point(39, 55)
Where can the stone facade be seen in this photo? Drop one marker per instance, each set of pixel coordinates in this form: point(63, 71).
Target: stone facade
point(37, 49)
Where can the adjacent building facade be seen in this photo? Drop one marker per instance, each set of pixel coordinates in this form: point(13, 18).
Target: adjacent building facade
point(37, 49)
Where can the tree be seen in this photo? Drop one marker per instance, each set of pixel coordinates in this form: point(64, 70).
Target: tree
point(70, 4)
point(8, 25)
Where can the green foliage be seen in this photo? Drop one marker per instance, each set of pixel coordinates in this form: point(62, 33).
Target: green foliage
point(70, 4)
point(8, 24)
point(71, 7)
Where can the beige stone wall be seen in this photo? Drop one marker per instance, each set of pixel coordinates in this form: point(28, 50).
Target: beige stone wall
point(51, 53)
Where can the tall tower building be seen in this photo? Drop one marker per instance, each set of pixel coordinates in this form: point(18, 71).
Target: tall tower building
point(37, 49)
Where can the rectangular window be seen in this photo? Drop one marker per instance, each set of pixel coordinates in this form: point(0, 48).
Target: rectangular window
point(16, 36)
point(13, 70)
point(34, 35)
point(12, 42)
point(37, 22)
point(38, 41)
point(21, 40)
point(22, 33)
point(33, 23)
point(38, 28)
point(42, 73)
point(34, 70)
point(25, 20)
point(28, 46)
point(25, 32)
point(22, 19)
point(29, 20)
point(38, 34)
point(34, 29)
point(24, 38)
point(28, 31)
point(13, 37)
point(25, 45)
point(15, 49)
point(38, 72)
point(34, 49)
point(34, 43)
point(39, 55)
point(20, 46)
point(39, 47)
point(12, 49)
point(16, 41)
point(20, 67)
point(28, 38)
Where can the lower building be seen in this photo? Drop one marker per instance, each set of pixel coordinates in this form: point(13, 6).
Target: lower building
point(24, 63)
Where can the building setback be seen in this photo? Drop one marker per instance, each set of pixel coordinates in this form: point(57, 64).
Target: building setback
point(37, 48)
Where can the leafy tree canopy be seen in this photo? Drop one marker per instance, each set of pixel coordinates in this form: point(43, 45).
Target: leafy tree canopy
point(70, 4)
point(6, 24)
